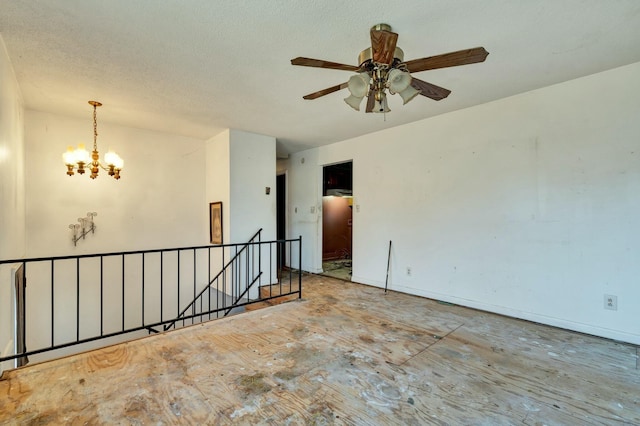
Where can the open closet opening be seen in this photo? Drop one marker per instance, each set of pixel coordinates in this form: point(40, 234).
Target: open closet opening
point(337, 220)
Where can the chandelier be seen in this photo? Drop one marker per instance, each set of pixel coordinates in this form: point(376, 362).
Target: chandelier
point(80, 158)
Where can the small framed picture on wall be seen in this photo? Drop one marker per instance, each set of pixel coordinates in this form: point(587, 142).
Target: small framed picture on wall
point(215, 222)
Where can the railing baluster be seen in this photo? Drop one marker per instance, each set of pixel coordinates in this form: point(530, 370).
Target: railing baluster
point(281, 266)
point(252, 269)
point(209, 280)
point(300, 267)
point(24, 268)
point(161, 285)
point(246, 277)
point(259, 260)
point(77, 299)
point(270, 267)
point(290, 268)
point(143, 289)
point(236, 277)
point(224, 284)
point(101, 297)
point(193, 307)
point(178, 310)
point(123, 292)
point(218, 297)
point(24, 301)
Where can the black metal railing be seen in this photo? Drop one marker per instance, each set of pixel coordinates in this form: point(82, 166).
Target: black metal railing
point(75, 300)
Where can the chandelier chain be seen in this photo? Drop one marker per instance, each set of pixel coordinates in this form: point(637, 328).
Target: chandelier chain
point(95, 129)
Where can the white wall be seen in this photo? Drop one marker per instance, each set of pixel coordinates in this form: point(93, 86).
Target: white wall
point(303, 207)
point(253, 168)
point(12, 213)
point(159, 202)
point(527, 206)
point(240, 165)
point(12, 201)
point(218, 177)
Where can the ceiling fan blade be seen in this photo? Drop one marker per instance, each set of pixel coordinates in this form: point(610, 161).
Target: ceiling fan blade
point(452, 59)
point(429, 90)
point(319, 63)
point(326, 91)
point(383, 45)
point(371, 101)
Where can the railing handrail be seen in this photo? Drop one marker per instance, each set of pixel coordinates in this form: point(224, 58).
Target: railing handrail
point(120, 253)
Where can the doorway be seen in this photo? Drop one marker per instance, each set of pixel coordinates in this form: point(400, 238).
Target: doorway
point(337, 220)
point(281, 218)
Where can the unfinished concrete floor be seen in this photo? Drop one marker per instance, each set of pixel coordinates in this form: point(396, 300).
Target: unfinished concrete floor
point(345, 354)
point(340, 269)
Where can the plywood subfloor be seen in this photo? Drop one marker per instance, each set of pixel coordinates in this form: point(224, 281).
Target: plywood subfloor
point(345, 354)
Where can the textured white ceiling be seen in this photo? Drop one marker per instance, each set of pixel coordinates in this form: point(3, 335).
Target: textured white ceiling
point(197, 67)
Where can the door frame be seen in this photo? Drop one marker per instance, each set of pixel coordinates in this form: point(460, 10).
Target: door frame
point(281, 209)
point(320, 227)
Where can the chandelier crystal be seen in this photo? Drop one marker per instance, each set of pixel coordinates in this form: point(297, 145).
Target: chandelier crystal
point(80, 158)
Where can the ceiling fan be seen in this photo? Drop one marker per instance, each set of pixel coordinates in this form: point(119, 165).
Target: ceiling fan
point(382, 67)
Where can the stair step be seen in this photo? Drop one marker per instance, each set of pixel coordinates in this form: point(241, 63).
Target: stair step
point(270, 302)
point(274, 290)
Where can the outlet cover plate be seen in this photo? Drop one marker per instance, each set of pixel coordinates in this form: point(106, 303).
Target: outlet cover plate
point(611, 302)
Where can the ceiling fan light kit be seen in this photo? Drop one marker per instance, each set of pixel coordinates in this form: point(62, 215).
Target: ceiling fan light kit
point(358, 85)
point(382, 69)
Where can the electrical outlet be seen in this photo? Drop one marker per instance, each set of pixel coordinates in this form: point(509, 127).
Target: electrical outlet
point(409, 271)
point(611, 302)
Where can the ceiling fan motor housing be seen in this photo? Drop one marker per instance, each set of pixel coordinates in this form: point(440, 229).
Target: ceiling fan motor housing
point(366, 57)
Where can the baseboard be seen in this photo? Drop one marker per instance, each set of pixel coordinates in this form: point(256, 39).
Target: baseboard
point(360, 280)
point(617, 335)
